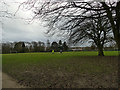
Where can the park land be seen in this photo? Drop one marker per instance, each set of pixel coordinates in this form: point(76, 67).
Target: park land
point(67, 70)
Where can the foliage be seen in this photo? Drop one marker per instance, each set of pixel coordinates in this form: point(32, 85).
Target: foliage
point(25, 47)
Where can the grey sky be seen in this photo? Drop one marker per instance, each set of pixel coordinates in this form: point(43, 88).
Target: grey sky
point(18, 29)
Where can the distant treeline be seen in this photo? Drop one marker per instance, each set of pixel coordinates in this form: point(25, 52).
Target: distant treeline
point(26, 47)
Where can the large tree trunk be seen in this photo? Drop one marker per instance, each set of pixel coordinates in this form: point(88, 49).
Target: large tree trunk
point(100, 52)
point(118, 44)
point(115, 24)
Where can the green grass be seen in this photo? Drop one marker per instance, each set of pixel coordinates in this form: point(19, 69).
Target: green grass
point(31, 67)
point(9, 60)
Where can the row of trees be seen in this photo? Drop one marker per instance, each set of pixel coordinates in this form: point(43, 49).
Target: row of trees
point(59, 46)
point(23, 47)
point(98, 21)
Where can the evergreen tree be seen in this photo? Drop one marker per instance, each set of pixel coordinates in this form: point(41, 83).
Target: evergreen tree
point(23, 47)
point(54, 46)
point(65, 47)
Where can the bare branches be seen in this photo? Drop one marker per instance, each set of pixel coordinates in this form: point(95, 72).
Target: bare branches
point(75, 17)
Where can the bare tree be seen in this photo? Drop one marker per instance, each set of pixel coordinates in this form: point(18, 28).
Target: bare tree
point(97, 30)
point(55, 12)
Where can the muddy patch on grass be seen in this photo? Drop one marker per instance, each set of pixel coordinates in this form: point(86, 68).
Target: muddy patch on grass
point(97, 81)
point(59, 79)
point(77, 72)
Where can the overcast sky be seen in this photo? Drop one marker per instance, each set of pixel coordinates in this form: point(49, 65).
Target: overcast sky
point(18, 29)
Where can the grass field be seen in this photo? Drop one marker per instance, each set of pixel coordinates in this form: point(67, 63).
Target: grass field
point(69, 69)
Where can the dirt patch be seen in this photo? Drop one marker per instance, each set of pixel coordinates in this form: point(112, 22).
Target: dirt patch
point(77, 72)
